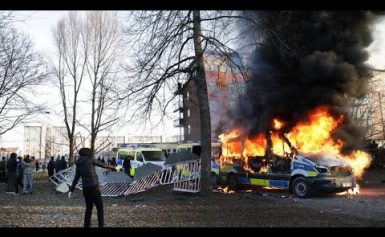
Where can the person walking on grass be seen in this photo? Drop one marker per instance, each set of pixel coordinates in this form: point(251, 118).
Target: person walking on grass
point(28, 166)
point(11, 170)
point(19, 175)
point(85, 169)
point(51, 167)
point(37, 165)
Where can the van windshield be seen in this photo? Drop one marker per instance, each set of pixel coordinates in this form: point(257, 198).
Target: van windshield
point(125, 154)
point(153, 156)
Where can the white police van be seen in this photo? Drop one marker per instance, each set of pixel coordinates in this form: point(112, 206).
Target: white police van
point(139, 156)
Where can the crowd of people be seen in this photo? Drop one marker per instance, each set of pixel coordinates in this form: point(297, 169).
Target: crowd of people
point(19, 174)
point(19, 171)
point(109, 161)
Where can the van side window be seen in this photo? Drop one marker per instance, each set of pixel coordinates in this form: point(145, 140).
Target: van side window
point(139, 156)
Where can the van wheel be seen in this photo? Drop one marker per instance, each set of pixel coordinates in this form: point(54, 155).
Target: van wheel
point(301, 187)
point(232, 181)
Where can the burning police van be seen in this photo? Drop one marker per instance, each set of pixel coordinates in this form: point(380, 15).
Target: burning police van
point(300, 173)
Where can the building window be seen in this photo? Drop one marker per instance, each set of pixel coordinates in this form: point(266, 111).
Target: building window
point(189, 129)
point(188, 95)
point(181, 115)
point(188, 113)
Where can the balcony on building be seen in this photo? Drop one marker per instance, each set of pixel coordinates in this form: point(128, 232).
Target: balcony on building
point(177, 106)
point(179, 90)
point(179, 122)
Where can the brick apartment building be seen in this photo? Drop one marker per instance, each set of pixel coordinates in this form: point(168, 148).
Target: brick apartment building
point(223, 87)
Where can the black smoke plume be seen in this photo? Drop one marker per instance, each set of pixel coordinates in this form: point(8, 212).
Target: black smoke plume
point(307, 60)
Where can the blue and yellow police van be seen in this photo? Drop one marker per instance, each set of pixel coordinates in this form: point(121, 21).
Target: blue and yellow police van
point(300, 173)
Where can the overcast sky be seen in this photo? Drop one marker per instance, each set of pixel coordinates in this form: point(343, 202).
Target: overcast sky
point(39, 24)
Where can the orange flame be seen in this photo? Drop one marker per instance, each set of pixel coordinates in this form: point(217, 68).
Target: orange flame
point(359, 161)
point(312, 135)
point(352, 191)
point(225, 190)
point(277, 124)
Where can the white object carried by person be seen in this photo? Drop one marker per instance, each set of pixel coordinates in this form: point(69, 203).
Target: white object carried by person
point(63, 187)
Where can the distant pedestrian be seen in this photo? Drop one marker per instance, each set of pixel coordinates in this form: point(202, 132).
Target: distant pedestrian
point(57, 165)
point(37, 166)
point(51, 167)
point(113, 161)
point(63, 163)
point(127, 166)
point(19, 175)
point(85, 169)
point(27, 165)
point(11, 170)
point(3, 170)
point(44, 166)
point(103, 161)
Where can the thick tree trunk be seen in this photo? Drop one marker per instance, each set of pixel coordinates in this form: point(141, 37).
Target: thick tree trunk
point(71, 154)
point(93, 138)
point(200, 79)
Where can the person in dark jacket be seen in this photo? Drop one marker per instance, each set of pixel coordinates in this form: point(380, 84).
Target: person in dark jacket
point(113, 161)
point(19, 175)
point(11, 170)
point(3, 170)
point(57, 165)
point(127, 166)
point(51, 167)
point(85, 169)
point(63, 163)
point(37, 165)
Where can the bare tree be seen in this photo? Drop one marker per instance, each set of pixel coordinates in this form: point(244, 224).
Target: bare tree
point(70, 69)
point(104, 35)
point(21, 69)
point(368, 112)
point(171, 47)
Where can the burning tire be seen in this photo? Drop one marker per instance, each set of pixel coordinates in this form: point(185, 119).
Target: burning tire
point(232, 181)
point(301, 187)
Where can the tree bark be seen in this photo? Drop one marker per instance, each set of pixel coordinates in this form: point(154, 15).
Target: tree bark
point(200, 80)
point(71, 159)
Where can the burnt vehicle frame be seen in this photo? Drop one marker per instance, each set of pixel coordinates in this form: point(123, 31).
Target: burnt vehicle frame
point(300, 173)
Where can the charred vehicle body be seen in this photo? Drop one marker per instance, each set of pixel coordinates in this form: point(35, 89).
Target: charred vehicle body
point(300, 173)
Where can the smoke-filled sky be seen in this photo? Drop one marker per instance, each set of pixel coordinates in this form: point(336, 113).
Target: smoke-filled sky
point(310, 59)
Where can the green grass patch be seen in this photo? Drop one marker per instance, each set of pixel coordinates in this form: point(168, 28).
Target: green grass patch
point(40, 175)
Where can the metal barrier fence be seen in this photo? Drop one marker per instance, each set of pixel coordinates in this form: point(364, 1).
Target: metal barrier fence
point(67, 176)
point(190, 186)
point(180, 172)
point(113, 189)
point(188, 177)
point(184, 175)
point(144, 184)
